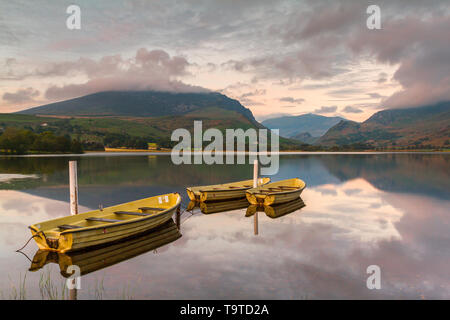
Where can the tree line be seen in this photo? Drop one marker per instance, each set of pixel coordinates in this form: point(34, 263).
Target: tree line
point(22, 141)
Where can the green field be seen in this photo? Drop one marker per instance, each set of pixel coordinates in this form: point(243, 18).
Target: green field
point(132, 132)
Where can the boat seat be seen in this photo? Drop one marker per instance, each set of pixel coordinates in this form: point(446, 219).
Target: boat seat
point(102, 220)
point(150, 208)
point(68, 226)
point(132, 213)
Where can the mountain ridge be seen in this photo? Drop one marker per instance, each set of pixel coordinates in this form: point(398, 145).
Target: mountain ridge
point(427, 126)
point(291, 126)
point(139, 104)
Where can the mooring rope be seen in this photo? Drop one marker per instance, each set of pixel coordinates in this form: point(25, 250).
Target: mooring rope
point(36, 235)
point(192, 214)
point(184, 210)
point(32, 261)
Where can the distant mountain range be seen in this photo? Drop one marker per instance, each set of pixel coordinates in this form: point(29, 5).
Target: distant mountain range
point(426, 126)
point(306, 127)
point(120, 117)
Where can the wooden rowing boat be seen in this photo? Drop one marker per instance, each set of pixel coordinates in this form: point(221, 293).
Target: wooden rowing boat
point(220, 192)
point(103, 226)
point(222, 206)
point(276, 192)
point(95, 259)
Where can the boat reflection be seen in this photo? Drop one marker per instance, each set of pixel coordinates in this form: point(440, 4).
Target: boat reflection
point(222, 206)
point(276, 211)
point(92, 260)
point(218, 206)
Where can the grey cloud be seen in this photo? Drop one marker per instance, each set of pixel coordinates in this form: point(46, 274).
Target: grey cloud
point(421, 47)
point(21, 95)
point(153, 61)
point(425, 79)
point(292, 100)
point(250, 102)
point(331, 36)
point(286, 41)
point(118, 83)
point(344, 92)
point(257, 92)
point(350, 109)
point(325, 109)
point(382, 77)
point(375, 95)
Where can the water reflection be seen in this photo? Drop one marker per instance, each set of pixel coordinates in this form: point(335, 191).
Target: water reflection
point(140, 176)
point(388, 210)
point(92, 260)
point(222, 206)
point(278, 210)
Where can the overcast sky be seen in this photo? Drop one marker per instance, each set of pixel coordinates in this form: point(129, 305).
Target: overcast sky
point(275, 57)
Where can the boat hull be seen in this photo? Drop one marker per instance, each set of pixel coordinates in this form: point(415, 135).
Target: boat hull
point(48, 238)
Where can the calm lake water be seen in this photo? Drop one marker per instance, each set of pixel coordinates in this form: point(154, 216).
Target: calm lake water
point(390, 210)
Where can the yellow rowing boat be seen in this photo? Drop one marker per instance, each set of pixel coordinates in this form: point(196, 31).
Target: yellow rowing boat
point(276, 192)
point(104, 226)
point(98, 258)
point(220, 192)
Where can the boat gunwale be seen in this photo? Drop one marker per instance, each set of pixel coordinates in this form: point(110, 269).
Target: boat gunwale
point(224, 190)
point(225, 184)
point(121, 223)
point(278, 192)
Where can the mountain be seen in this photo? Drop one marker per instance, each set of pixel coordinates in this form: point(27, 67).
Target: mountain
point(305, 137)
point(291, 126)
point(426, 126)
point(139, 104)
point(133, 119)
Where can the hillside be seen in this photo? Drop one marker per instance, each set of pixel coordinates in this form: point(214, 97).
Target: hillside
point(139, 104)
point(132, 132)
point(305, 137)
point(291, 126)
point(422, 127)
point(115, 130)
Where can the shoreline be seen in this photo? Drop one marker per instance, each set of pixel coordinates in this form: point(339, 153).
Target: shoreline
point(168, 153)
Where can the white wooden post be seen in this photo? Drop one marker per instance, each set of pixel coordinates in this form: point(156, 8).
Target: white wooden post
point(73, 180)
point(255, 184)
point(255, 173)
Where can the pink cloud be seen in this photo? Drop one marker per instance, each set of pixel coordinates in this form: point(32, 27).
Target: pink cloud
point(147, 70)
